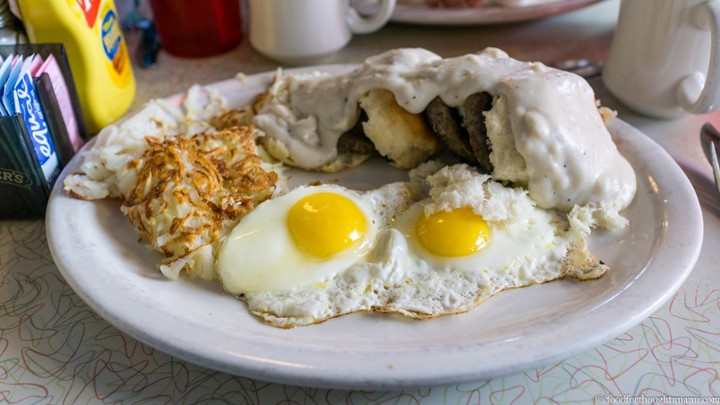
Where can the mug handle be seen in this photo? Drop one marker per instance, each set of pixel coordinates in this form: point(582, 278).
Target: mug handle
point(707, 16)
point(365, 25)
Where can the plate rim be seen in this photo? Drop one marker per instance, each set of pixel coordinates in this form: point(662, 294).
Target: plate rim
point(395, 374)
point(489, 15)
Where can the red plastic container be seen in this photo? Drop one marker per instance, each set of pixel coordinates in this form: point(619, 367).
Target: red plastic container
point(197, 29)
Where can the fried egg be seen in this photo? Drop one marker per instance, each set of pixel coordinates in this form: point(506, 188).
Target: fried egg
point(462, 240)
point(303, 238)
point(436, 246)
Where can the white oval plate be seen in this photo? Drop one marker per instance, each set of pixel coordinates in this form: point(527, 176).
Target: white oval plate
point(98, 253)
point(483, 15)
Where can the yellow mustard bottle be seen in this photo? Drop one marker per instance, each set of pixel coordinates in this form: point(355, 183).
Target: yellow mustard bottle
point(99, 59)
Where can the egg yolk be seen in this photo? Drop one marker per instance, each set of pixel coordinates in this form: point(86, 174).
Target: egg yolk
point(323, 224)
point(459, 232)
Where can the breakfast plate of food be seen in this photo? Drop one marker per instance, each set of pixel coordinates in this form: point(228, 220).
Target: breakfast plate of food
point(474, 12)
point(413, 220)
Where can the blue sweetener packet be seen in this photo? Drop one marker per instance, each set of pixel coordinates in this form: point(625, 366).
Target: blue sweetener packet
point(8, 99)
point(27, 104)
point(5, 68)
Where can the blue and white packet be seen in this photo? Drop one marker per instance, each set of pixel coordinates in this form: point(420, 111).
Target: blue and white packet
point(4, 74)
point(8, 98)
point(26, 102)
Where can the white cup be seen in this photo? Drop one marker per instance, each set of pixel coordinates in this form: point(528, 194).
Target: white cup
point(664, 59)
point(301, 31)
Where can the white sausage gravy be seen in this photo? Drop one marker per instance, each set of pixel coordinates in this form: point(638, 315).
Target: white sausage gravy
point(559, 147)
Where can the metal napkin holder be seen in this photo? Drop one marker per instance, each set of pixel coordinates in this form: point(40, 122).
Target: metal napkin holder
point(24, 190)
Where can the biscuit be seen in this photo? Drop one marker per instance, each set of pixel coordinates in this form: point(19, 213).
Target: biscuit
point(404, 138)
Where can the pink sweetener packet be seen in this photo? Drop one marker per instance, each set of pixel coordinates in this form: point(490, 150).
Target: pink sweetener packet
point(35, 64)
point(52, 69)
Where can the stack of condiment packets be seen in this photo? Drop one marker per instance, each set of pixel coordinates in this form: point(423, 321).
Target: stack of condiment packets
point(41, 125)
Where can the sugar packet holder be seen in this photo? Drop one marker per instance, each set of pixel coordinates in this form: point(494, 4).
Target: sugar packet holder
point(42, 135)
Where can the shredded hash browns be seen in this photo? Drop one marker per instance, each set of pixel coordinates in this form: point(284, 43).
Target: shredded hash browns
point(192, 191)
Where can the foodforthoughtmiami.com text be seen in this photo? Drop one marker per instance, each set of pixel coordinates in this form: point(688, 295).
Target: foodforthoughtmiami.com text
point(655, 399)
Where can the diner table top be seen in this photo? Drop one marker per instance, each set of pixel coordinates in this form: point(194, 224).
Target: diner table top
point(54, 349)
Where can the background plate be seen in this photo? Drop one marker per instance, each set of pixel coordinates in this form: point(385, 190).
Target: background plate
point(98, 253)
point(405, 13)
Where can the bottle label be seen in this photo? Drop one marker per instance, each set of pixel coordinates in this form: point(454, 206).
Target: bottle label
point(114, 47)
point(90, 9)
point(102, 19)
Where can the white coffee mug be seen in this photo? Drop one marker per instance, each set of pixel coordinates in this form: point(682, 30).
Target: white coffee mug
point(301, 31)
point(664, 59)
